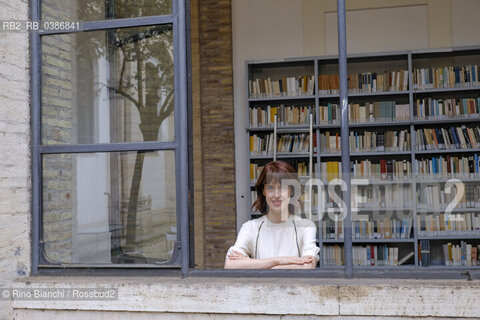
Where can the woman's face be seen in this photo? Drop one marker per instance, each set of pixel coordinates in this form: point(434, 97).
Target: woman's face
point(277, 197)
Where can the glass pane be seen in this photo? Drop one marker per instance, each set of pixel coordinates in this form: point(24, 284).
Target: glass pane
point(108, 86)
point(71, 10)
point(109, 208)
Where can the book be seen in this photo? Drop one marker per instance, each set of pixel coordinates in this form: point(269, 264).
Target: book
point(425, 253)
point(406, 258)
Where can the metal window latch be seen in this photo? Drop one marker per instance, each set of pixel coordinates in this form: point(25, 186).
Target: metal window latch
point(469, 276)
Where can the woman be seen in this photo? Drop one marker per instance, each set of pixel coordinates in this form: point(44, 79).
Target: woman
point(274, 241)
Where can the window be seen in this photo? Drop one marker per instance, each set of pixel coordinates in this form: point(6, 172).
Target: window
point(110, 149)
point(109, 134)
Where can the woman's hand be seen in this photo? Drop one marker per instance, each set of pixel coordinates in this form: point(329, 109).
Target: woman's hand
point(294, 260)
point(236, 260)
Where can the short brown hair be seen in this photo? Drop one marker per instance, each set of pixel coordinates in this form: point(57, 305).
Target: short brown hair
point(274, 171)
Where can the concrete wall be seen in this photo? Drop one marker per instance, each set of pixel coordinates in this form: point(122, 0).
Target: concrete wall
point(294, 28)
point(14, 151)
point(223, 298)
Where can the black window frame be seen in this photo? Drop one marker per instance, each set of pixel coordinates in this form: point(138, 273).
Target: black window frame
point(177, 19)
point(180, 18)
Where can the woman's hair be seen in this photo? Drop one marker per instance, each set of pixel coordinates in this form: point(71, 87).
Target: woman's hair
point(273, 172)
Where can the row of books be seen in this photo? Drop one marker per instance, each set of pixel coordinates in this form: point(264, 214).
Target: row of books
point(467, 224)
point(330, 142)
point(287, 143)
point(286, 86)
point(445, 167)
point(286, 115)
point(378, 82)
point(382, 229)
point(429, 108)
point(378, 111)
point(445, 77)
point(384, 169)
point(328, 84)
point(367, 141)
point(396, 80)
point(365, 82)
point(429, 169)
point(436, 197)
point(464, 254)
point(392, 196)
point(330, 170)
point(448, 138)
point(375, 255)
point(330, 114)
point(333, 255)
point(294, 143)
point(261, 145)
point(332, 229)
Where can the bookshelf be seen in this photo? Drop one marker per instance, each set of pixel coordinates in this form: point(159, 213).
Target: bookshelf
point(414, 124)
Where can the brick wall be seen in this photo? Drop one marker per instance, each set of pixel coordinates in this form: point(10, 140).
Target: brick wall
point(57, 128)
point(213, 28)
point(14, 151)
point(197, 140)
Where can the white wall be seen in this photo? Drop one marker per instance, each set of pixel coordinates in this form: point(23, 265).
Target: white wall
point(261, 29)
point(267, 29)
point(379, 29)
point(465, 22)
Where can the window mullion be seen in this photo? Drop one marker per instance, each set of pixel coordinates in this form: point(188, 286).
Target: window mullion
point(342, 64)
point(35, 83)
point(107, 147)
point(181, 123)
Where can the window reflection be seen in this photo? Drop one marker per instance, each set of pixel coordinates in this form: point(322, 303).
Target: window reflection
point(108, 86)
point(79, 10)
point(109, 208)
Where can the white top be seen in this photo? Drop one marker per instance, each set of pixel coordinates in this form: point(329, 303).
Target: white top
point(277, 239)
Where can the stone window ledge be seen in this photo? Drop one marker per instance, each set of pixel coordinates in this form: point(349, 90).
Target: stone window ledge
point(269, 296)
